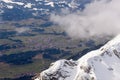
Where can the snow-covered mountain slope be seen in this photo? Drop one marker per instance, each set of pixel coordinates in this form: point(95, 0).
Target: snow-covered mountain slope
point(101, 64)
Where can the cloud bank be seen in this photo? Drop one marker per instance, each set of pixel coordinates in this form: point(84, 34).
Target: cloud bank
point(100, 17)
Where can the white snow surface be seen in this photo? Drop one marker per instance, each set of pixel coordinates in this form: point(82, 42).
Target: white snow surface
point(101, 64)
point(28, 5)
point(10, 1)
point(50, 3)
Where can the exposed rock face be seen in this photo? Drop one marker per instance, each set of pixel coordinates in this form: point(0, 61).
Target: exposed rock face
point(101, 64)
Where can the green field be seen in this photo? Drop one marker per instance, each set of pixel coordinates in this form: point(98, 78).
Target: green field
point(40, 41)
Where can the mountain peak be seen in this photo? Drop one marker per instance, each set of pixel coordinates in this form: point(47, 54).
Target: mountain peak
point(101, 64)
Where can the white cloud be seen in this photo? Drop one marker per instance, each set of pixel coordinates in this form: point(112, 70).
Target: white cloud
point(101, 17)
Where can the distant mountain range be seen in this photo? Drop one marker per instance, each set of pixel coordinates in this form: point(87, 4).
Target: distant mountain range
point(101, 64)
point(23, 9)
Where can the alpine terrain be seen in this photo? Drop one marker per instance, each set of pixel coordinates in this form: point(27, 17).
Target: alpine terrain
point(24, 9)
point(101, 64)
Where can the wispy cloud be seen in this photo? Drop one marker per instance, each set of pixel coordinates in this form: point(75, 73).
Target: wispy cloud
point(100, 17)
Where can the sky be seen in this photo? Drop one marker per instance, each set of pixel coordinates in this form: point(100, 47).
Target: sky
point(100, 17)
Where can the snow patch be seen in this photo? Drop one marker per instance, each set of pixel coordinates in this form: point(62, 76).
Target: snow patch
point(50, 3)
point(9, 7)
point(10, 1)
point(28, 5)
